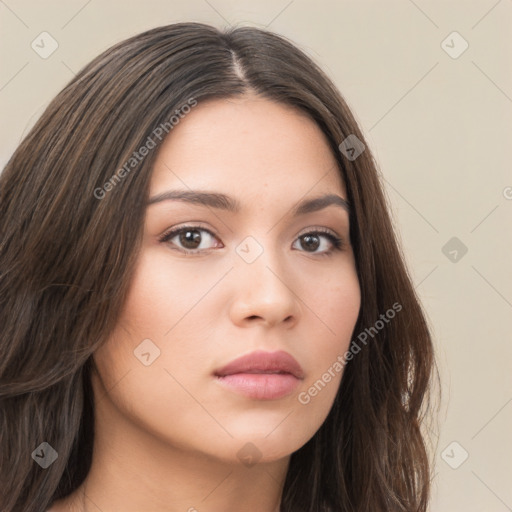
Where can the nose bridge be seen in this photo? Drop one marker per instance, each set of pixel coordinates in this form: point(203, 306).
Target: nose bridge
point(262, 283)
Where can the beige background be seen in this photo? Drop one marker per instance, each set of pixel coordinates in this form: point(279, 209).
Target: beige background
point(440, 129)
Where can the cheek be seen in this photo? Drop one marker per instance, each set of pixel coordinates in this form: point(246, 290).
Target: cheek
point(156, 398)
point(161, 295)
point(154, 362)
point(334, 313)
point(332, 309)
point(341, 305)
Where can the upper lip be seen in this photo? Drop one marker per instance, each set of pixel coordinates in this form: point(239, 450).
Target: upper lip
point(263, 362)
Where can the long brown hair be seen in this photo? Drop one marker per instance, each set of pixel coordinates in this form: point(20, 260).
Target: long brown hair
point(70, 230)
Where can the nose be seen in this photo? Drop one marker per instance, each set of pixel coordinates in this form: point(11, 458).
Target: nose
point(263, 294)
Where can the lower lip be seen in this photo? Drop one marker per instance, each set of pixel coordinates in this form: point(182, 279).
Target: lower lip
point(261, 386)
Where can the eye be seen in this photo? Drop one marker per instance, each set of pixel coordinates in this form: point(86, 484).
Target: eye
point(189, 238)
point(312, 241)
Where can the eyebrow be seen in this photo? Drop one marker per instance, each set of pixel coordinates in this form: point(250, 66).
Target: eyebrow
point(224, 202)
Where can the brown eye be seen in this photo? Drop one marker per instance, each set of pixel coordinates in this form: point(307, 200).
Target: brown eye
point(310, 242)
point(314, 240)
point(191, 239)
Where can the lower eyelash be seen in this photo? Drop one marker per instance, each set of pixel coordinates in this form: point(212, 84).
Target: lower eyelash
point(337, 242)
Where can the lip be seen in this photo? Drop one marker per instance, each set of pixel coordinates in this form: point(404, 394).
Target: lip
point(262, 375)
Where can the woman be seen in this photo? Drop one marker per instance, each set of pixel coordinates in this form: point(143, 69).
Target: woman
point(203, 302)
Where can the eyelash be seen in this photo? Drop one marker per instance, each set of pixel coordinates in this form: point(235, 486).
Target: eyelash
point(337, 242)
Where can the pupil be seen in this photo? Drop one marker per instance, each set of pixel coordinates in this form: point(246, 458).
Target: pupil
point(190, 239)
point(311, 242)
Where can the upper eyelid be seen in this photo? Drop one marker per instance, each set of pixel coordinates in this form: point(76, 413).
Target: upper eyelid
point(177, 229)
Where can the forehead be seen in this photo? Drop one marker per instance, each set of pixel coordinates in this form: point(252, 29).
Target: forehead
point(249, 146)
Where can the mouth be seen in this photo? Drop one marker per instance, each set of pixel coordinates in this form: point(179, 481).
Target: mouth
point(261, 375)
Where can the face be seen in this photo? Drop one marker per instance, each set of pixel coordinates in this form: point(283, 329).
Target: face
point(213, 284)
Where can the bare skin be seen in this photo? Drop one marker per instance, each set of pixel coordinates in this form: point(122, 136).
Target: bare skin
point(168, 436)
